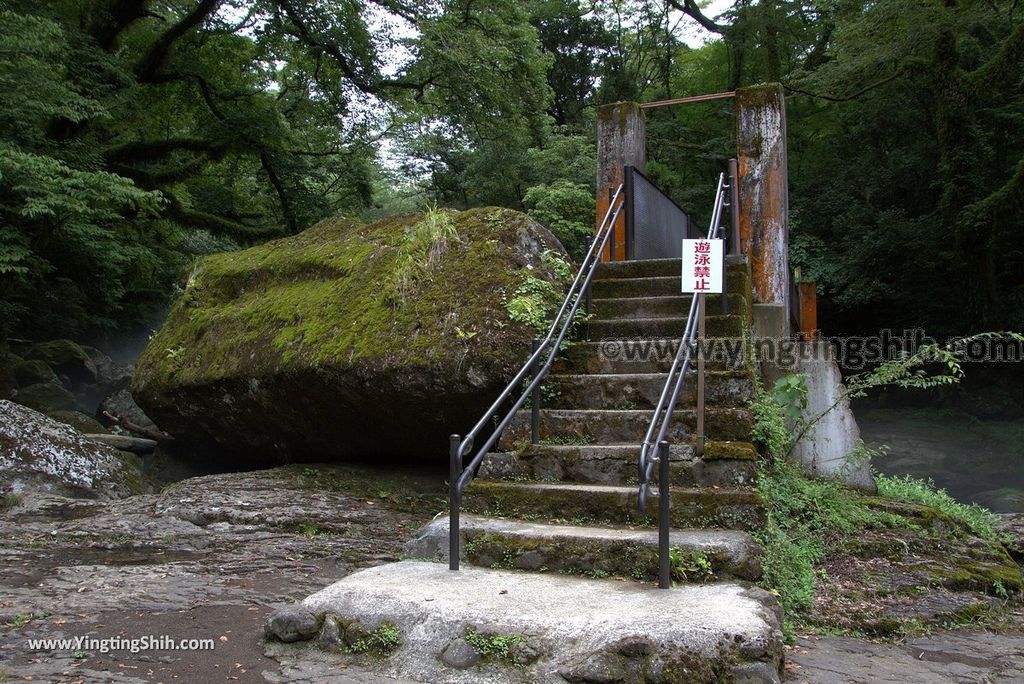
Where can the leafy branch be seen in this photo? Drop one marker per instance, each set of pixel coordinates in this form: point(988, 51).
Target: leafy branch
point(907, 372)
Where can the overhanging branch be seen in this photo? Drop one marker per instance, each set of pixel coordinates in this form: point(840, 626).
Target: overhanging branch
point(853, 96)
point(156, 57)
point(691, 9)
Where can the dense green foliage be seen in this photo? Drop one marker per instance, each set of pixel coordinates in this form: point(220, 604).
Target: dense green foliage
point(137, 134)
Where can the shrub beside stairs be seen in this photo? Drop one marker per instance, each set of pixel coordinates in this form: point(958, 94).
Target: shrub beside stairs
point(559, 565)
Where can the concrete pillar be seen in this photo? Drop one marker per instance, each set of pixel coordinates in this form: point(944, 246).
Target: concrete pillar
point(621, 141)
point(830, 450)
point(764, 193)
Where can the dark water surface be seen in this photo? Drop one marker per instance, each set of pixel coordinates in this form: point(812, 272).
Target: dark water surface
point(975, 461)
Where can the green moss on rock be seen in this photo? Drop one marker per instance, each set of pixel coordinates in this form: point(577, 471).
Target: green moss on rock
point(739, 451)
point(33, 372)
point(314, 318)
point(45, 397)
point(65, 358)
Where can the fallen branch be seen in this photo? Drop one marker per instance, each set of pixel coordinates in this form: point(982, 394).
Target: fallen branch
point(148, 433)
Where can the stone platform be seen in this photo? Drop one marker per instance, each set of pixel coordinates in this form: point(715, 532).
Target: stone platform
point(506, 626)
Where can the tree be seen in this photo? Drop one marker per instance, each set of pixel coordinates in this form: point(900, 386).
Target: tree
point(134, 128)
point(919, 183)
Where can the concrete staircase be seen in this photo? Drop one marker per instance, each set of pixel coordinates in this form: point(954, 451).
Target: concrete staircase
point(581, 479)
point(555, 550)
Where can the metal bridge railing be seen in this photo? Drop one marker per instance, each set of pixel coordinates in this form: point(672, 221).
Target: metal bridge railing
point(655, 449)
point(461, 473)
point(655, 223)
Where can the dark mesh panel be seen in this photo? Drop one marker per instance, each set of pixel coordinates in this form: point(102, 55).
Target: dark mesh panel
point(655, 225)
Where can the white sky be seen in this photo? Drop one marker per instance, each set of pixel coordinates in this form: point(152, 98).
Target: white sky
point(692, 33)
point(392, 61)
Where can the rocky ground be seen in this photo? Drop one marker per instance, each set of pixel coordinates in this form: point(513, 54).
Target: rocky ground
point(210, 556)
point(207, 558)
point(962, 656)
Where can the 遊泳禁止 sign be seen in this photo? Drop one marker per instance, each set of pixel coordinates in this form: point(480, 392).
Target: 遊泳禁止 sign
point(702, 266)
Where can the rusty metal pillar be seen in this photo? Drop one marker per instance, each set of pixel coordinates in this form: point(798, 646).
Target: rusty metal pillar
point(808, 310)
point(621, 141)
point(763, 189)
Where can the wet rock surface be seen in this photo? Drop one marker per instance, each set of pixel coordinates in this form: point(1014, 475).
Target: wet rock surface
point(211, 557)
point(40, 454)
point(959, 657)
point(1012, 525)
point(899, 582)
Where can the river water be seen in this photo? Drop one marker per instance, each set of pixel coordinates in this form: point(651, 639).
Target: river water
point(975, 461)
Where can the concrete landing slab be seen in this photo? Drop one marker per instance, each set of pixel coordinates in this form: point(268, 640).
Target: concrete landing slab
point(557, 629)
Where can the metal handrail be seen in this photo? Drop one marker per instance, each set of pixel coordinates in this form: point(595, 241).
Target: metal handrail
point(460, 474)
point(674, 383)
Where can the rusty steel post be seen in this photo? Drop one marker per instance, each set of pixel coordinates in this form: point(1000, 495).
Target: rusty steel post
point(809, 310)
point(734, 207)
point(621, 142)
point(763, 191)
point(535, 400)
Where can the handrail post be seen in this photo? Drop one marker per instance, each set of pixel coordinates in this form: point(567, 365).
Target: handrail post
point(588, 303)
point(627, 189)
point(454, 501)
point(724, 294)
point(727, 238)
point(664, 510)
point(698, 448)
point(734, 207)
point(535, 401)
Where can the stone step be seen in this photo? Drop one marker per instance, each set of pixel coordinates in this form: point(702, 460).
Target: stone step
point(626, 328)
point(599, 426)
point(642, 390)
point(588, 551)
point(667, 306)
point(736, 508)
point(566, 628)
point(724, 464)
point(646, 268)
point(658, 286)
point(650, 355)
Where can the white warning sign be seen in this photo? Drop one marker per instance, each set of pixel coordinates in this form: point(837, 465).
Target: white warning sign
point(702, 266)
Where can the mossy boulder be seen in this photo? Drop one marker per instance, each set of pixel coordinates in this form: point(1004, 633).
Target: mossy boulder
point(81, 422)
point(8, 381)
point(66, 359)
point(33, 372)
point(40, 454)
point(347, 340)
point(45, 397)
